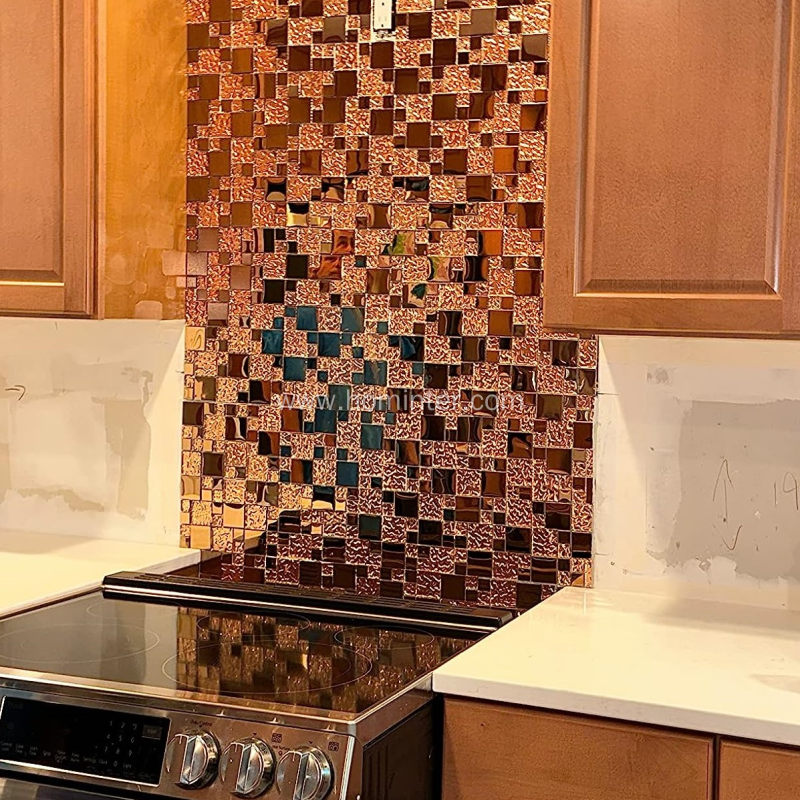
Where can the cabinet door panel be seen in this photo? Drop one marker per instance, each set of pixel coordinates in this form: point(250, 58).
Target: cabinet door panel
point(498, 751)
point(46, 156)
point(670, 182)
point(755, 772)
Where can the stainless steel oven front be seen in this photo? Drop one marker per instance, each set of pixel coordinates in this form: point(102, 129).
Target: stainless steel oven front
point(129, 748)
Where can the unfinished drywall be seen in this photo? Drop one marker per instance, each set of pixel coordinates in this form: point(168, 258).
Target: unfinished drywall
point(90, 427)
point(698, 468)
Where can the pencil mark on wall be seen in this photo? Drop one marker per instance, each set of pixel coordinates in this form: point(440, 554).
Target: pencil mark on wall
point(736, 477)
point(732, 546)
point(724, 481)
point(790, 486)
point(20, 390)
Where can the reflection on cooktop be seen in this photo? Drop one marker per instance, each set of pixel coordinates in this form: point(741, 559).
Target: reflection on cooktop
point(283, 659)
point(293, 660)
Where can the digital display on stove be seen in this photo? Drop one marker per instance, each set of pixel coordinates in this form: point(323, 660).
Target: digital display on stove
point(90, 741)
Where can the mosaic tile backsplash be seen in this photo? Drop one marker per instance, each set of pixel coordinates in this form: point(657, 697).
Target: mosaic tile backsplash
point(372, 404)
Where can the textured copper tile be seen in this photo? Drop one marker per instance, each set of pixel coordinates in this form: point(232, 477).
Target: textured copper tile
point(371, 401)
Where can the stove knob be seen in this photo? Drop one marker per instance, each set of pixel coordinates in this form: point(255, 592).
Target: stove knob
point(247, 767)
point(304, 774)
point(192, 758)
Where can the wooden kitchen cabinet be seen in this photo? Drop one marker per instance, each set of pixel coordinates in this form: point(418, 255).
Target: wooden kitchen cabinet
point(674, 167)
point(92, 157)
point(499, 751)
point(47, 160)
point(758, 772)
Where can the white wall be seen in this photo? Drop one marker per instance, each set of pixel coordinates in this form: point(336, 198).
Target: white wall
point(697, 468)
point(90, 427)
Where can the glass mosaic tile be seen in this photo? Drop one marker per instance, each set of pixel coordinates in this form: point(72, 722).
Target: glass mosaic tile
point(371, 401)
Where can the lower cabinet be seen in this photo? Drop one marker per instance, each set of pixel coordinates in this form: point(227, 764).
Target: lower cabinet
point(502, 752)
point(494, 752)
point(758, 772)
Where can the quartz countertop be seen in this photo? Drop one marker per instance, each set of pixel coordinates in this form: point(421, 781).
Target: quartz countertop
point(697, 665)
point(41, 568)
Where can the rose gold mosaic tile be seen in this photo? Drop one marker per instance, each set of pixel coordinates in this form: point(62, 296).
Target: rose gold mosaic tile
point(372, 403)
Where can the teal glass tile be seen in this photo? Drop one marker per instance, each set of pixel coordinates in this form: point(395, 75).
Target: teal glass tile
point(346, 473)
point(330, 345)
point(372, 437)
point(339, 397)
point(375, 373)
point(294, 369)
point(352, 320)
point(272, 342)
point(306, 318)
point(324, 421)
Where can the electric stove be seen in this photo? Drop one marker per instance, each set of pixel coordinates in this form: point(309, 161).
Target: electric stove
point(169, 686)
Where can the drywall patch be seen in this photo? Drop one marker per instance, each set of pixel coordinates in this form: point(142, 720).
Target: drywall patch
point(90, 436)
point(129, 436)
point(73, 501)
point(739, 489)
point(659, 375)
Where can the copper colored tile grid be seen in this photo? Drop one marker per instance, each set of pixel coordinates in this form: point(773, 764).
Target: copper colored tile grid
point(365, 237)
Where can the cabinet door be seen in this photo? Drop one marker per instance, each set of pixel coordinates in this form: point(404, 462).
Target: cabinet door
point(674, 167)
point(46, 157)
point(756, 772)
point(498, 751)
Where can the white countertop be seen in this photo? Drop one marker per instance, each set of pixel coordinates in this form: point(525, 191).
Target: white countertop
point(704, 666)
point(41, 568)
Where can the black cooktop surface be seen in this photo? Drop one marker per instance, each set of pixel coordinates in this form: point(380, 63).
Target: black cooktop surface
point(285, 659)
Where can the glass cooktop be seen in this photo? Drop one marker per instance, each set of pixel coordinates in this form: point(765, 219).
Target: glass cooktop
point(289, 659)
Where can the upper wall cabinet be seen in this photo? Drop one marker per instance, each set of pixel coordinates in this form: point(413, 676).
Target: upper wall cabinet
point(674, 167)
point(92, 164)
point(46, 157)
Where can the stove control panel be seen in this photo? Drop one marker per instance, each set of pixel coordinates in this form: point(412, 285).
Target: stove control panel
point(82, 740)
point(264, 760)
point(170, 753)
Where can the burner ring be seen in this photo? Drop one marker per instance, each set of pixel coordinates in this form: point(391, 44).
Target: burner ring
point(27, 646)
point(355, 668)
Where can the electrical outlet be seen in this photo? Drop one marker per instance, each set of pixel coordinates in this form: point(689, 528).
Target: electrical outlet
point(382, 15)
